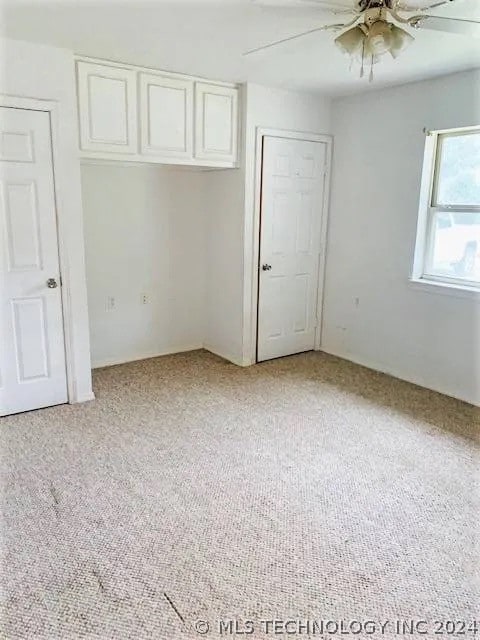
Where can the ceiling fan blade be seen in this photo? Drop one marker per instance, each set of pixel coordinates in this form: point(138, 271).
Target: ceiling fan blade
point(292, 3)
point(326, 5)
point(400, 6)
point(448, 25)
point(298, 35)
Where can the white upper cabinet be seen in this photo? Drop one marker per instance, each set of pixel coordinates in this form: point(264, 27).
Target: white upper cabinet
point(216, 122)
point(107, 105)
point(135, 114)
point(166, 116)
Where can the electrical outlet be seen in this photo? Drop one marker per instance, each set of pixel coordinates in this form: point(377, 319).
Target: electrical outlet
point(145, 298)
point(110, 303)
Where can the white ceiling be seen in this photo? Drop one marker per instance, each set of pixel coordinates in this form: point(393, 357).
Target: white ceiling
point(207, 38)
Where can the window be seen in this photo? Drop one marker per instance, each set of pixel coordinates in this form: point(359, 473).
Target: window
point(448, 239)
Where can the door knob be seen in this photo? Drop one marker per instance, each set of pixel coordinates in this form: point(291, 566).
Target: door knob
point(266, 267)
point(52, 283)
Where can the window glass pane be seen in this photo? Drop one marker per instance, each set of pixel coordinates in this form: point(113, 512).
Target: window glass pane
point(458, 179)
point(456, 246)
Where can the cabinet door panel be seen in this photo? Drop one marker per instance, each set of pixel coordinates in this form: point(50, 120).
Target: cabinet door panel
point(166, 116)
point(216, 122)
point(107, 106)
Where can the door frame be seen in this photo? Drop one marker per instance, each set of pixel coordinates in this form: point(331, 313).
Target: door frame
point(291, 135)
point(52, 108)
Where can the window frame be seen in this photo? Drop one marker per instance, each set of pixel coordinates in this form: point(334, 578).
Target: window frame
point(429, 208)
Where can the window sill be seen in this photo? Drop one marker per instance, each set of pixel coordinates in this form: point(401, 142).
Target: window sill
point(446, 289)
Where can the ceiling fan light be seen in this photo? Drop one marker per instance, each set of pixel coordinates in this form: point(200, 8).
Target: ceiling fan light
point(378, 38)
point(351, 41)
point(377, 45)
point(399, 40)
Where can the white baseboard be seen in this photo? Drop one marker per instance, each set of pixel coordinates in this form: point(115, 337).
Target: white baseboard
point(226, 356)
point(110, 362)
point(88, 397)
point(381, 368)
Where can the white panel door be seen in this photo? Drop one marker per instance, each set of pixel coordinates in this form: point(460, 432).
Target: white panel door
point(291, 217)
point(166, 107)
point(216, 122)
point(32, 356)
point(107, 101)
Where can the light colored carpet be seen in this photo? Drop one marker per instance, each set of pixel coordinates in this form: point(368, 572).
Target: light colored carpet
point(305, 488)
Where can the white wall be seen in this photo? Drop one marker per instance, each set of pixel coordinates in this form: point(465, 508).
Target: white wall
point(224, 205)
point(372, 314)
point(37, 71)
point(186, 239)
point(145, 234)
point(230, 208)
point(178, 235)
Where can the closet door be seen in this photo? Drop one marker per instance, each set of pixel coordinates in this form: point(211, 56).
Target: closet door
point(216, 123)
point(32, 349)
point(166, 107)
point(293, 185)
point(107, 108)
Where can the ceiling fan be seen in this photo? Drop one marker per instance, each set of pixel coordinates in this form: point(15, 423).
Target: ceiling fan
point(372, 32)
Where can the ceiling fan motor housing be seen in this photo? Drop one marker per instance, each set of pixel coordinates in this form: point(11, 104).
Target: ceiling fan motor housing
point(375, 15)
point(364, 5)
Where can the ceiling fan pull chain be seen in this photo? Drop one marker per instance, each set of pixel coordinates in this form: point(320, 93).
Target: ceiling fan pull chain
point(370, 78)
point(363, 60)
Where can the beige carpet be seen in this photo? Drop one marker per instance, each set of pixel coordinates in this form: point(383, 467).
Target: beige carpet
point(304, 489)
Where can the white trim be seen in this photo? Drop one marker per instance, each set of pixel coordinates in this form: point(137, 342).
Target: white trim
point(52, 108)
point(440, 138)
point(111, 362)
point(323, 241)
point(421, 275)
point(226, 356)
point(168, 166)
point(424, 207)
point(136, 158)
point(444, 288)
point(374, 365)
point(32, 104)
point(251, 267)
point(451, 281)
point(86, 398)
point(455, 130)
